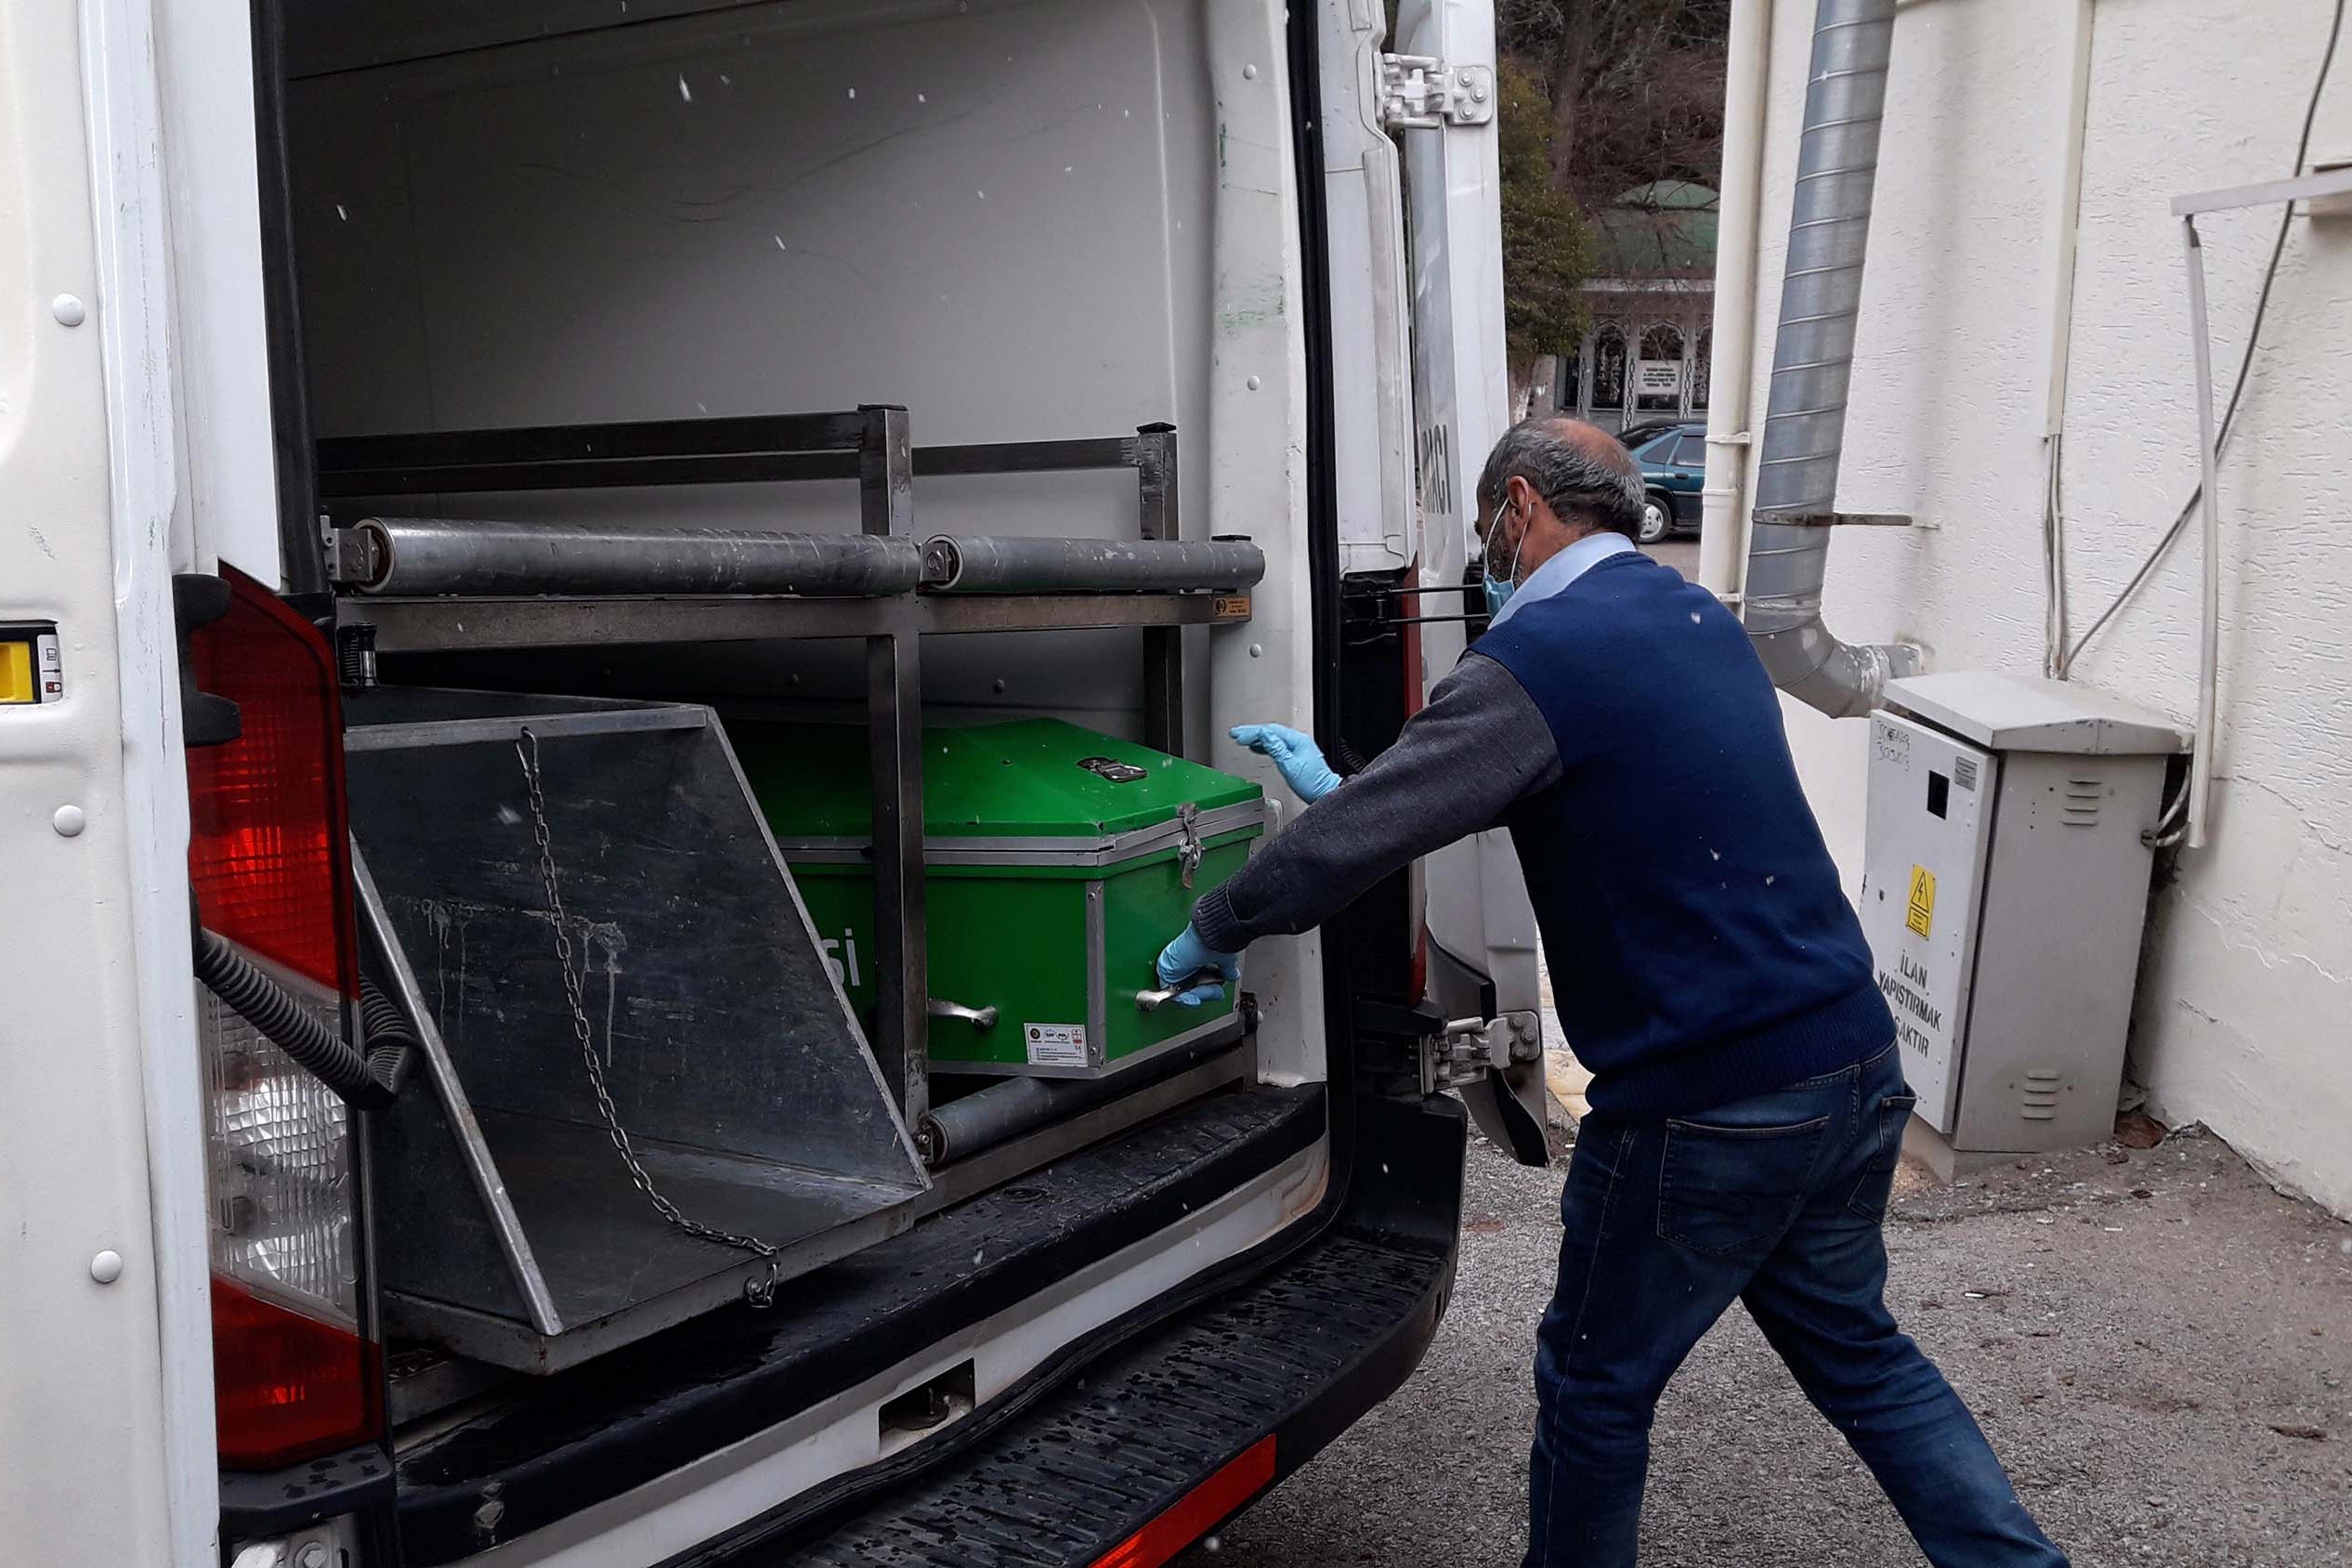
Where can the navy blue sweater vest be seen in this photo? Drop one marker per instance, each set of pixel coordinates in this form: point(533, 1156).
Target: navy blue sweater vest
point(1700, 948)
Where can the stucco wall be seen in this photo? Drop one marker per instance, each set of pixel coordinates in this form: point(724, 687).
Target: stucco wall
point(2245, 1013)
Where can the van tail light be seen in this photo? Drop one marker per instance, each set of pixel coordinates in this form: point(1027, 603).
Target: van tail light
point(268, 858)
point(1408, 610)
point(1415, 698)
point(1198, 1512)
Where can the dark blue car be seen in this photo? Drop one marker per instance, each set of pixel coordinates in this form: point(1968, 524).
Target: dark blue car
point(1673, 458)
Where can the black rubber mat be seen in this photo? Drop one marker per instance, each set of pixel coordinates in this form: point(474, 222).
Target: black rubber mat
point(1297, 1355)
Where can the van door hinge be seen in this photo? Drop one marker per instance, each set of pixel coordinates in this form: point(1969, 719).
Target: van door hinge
point(1421, 92)
point(1468, 1048)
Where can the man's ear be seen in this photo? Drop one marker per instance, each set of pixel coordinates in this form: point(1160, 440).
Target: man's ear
point(1522, 496)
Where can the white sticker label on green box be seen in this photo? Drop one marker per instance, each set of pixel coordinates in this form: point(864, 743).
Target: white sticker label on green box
point(1055, 1045)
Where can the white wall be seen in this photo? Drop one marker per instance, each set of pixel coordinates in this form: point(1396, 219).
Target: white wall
point(2244, 1014)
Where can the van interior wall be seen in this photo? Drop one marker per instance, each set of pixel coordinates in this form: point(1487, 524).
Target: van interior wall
point(1023, 221)
point(982, 216)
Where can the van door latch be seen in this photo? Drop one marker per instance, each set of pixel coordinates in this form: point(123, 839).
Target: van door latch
point(1423, 93)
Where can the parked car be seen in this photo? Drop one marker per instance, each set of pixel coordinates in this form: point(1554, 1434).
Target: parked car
point(1673, 458)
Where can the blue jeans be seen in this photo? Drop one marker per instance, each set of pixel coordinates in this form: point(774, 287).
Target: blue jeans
point(1775, 1201)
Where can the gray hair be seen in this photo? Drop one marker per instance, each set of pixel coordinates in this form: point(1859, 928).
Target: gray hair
point(1604, 489)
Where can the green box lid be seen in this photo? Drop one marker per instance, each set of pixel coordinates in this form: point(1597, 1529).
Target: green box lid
point(1021, 778)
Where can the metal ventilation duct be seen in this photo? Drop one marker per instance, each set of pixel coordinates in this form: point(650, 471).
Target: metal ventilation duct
point(1812, 359)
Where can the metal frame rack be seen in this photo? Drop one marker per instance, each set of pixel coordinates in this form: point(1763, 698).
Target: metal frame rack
point(871, 445)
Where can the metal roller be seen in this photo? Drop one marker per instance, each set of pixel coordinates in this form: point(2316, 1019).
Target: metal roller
point(953, 564)
point(1009, 1107)
point(989, 1117)
point(476, 559)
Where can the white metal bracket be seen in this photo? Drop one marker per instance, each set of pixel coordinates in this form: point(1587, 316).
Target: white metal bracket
point(2315, 190)
point(1423, 93)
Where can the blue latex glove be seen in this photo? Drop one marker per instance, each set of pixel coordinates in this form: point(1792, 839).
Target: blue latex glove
point(1188, 957)
point(1295, 754)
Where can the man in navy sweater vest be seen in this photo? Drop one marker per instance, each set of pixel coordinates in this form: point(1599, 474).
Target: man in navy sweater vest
point(1748, 1101)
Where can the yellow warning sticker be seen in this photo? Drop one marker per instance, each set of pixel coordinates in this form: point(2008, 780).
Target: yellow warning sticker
point(1922, 918)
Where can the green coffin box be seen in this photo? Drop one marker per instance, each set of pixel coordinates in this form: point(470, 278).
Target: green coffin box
point(1057, 869)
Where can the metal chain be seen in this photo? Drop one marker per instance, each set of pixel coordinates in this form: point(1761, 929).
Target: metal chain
point(760, 1292)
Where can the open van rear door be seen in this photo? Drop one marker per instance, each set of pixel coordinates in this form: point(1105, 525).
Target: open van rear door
point(1439, 93)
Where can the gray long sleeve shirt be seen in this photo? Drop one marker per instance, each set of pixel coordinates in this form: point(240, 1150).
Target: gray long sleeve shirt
point(1459, 763)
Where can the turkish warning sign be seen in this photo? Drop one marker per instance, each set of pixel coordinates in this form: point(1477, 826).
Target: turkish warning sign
point(1921, 917)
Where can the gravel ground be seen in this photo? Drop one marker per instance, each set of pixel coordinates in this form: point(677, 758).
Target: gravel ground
point(2158, 1345)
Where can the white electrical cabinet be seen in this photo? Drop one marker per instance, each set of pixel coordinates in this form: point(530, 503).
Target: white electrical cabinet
point(2004, 885)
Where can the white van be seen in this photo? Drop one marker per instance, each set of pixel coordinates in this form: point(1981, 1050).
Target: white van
point(848, 273)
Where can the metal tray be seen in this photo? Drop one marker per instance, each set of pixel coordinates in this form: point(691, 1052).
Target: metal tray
point(509, 1227)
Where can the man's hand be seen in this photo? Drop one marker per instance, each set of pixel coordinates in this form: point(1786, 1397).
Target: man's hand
point(1295, 754)
point(1199, 968)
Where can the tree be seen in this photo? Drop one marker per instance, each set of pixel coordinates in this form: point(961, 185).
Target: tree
point(1636, 88)
point(1596, 98)
point(1546, 249)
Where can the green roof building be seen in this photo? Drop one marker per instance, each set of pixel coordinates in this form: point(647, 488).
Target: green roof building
point(1651, 298)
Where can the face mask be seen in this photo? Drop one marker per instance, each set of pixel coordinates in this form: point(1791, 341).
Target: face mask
point(1497, 596)
point(1498, 591)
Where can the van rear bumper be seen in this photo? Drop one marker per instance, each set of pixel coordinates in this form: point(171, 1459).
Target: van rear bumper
point(1184, 1423)
point(651, 1427)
